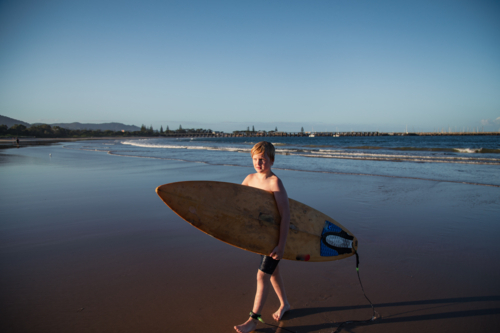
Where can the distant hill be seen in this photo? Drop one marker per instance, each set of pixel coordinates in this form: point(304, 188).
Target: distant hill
point(74, 126)
point(11, 122)
point(103, 127)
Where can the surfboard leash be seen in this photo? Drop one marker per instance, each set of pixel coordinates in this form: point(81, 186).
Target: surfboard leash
point(259, 318)
point(375, 314)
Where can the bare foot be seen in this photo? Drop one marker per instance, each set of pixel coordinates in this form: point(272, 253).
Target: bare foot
point(281, 311)
point(247, 326)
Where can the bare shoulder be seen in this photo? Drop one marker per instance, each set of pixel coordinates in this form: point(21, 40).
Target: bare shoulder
point(248, 180)
point(276, 185)
point(281, 196)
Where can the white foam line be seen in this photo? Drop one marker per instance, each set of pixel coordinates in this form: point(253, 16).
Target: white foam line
point(397, 158)
point(157, 146)
point(334, 153)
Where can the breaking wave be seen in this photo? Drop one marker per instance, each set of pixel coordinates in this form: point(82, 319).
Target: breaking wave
point(371, 153)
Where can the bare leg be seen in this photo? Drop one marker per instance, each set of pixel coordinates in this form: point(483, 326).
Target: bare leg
point(263, 284)
point(279, 288)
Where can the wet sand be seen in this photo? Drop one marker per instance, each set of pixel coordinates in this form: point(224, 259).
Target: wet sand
point(87, 246)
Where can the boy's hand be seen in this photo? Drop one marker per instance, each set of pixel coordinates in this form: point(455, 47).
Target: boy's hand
point(277, 253)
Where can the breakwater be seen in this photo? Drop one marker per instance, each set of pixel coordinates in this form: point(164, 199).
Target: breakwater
point(322, 134)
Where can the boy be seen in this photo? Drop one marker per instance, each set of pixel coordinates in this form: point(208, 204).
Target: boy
point(268, 273)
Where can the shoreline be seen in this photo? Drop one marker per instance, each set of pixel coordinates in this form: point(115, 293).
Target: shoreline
point(28, 142)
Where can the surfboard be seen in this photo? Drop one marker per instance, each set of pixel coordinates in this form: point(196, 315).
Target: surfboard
point(248, 218)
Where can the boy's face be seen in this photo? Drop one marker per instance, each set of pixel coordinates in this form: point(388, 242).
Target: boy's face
point(262, 163)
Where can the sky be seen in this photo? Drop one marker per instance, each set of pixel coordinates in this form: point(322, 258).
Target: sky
point(323, 65)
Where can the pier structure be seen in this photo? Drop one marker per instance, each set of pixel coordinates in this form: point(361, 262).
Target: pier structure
point(318, 134)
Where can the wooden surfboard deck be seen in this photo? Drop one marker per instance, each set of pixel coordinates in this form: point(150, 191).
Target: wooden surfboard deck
point(248, 218)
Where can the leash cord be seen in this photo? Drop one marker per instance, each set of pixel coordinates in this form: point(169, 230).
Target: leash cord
point(375, 314)
point(280, 327)
point(259, 318)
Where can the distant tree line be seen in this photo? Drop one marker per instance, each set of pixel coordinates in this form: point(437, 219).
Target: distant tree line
point(253, 131)
point(185, 130)
point(47, 131)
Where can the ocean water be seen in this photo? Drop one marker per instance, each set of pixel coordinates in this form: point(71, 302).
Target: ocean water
point(459, 159)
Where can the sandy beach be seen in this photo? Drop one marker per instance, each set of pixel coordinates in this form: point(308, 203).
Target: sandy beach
point(87, 246)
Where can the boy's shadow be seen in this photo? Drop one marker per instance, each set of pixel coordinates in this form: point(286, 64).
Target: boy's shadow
point(388, 318)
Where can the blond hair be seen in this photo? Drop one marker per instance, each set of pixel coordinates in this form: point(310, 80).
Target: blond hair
point(264, 147)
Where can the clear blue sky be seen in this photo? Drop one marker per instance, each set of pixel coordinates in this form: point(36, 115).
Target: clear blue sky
point(327, 64)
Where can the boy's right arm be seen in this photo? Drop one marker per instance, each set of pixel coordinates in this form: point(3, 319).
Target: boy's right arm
point(281, 198)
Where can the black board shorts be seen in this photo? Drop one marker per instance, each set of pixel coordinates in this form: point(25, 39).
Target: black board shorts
point(268, 264)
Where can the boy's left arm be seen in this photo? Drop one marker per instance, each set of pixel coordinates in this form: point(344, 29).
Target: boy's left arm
point(282, 202)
